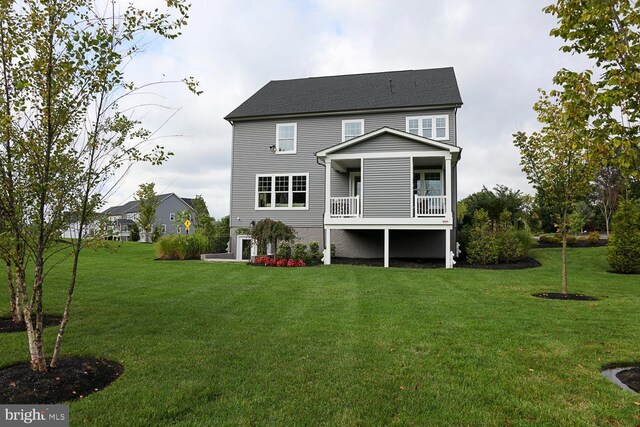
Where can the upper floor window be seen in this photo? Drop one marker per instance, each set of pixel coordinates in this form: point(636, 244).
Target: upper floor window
point(282, 191)
point(352, 129)
point(172, 216)
point(434, 127)
point(286, 138)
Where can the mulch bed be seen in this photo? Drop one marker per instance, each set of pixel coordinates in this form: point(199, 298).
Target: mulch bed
point(577, 244)
point(7, 325)
point(566, 297)
point(73, 379)
point(517, 265)
point(433, 263)
point(631, 378)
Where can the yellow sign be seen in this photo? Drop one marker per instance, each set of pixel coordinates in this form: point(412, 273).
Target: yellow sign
point(187, 224)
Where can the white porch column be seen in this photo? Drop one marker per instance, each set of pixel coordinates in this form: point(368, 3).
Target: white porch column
point(327, 249)
point(386, 247)
point(447, 249)
point(449, 185)
point(327, 187)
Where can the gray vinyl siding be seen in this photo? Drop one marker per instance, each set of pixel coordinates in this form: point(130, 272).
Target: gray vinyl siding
point(387, 142)
point(386, 188)
point(171, 204)
point(339, 183)
point(251, 156)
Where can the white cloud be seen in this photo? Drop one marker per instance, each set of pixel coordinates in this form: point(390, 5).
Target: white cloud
point(500, 49)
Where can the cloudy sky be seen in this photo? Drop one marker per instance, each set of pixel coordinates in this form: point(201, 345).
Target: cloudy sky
point(501, 51)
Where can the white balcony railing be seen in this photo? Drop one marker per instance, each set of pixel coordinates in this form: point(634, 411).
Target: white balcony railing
point(430, 206)
point(344, 207)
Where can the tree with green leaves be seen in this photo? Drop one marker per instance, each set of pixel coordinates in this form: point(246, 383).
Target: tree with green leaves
point(135, 232)
point(147, 204)
point(608, 32)
point(558, 159)
point(606, 190)
point(62, 135)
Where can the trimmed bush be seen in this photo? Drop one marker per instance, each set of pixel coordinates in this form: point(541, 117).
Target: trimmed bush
point(549, 239)
point(284, 250)
point(299, 251)
point(624, 243)
point(314, 250)
point(593, 238)
point(182, 247)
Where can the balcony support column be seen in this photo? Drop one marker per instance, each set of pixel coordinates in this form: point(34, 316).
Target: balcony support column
point(449, 186)
point(386, 247)
point(327, 246)
point(327, 187)
point(447, 249)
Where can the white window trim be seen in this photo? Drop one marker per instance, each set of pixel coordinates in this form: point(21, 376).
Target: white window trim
point(423, 171)
point(163, 228)
point(179, 229)
point(433, 126)
point(352, 179)
point(344, 122)
point(273, 193)
point(295, 138)
point(172, 216)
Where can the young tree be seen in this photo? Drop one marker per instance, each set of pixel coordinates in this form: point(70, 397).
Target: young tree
point(147, 205)
point(558, 159)
point(135, 232)
point(61, 76)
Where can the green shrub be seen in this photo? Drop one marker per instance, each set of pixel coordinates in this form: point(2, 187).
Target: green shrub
point(571, 239)
point(181, 246)
point(135, 232)
point(156, 234)
point(314, 250)
point(299, 251)
point(549, 239)
point(624, 243)
point(488, 245)
point(333, 250)
point(284, 250)
point(593, 238)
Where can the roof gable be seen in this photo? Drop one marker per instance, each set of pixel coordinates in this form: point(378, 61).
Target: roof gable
point(352, 143)
point(354, 92)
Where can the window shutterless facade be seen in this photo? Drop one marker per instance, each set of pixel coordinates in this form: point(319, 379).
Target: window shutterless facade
point(282, 191)
point(286, 138)
point(433, 127)
point(352, 129)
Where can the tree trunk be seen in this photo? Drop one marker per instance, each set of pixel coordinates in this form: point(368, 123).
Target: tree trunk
point(21, 288)
point(564, 262)
point(13, 296)
point(39, 363)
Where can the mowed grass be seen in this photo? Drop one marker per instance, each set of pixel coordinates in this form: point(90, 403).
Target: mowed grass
point(232, 344)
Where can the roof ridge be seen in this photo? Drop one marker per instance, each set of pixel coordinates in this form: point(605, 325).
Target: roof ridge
point(362, 74)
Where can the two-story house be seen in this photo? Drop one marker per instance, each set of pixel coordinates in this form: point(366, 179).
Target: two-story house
point(365, 161)
point(167, 218)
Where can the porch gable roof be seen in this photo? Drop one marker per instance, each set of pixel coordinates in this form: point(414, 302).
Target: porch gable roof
point(387, 130)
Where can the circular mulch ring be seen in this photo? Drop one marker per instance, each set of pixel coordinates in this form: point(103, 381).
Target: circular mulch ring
point(565, 297)
point(73, 379)
point(624, 375)
point(7, 325)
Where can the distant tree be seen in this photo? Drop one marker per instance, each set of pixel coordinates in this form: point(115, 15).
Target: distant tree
point(623, 252)
point(201, 215)
point(557, 159)
point(147, 204)
point(494, 202)
point(606, 190)
point(135, 232)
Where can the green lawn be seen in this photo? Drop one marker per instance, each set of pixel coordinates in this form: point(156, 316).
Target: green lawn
point(231, 344)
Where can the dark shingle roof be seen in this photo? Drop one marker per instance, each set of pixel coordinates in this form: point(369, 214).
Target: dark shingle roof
point(132, 206)
point(393, 89)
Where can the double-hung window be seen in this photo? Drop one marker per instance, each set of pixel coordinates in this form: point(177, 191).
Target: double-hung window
point(286, 138)
point(352, 129)
point(433, 127)
point(282, 191)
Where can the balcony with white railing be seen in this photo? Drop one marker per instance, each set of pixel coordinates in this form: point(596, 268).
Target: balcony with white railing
point(425, 206)
point(344, 207)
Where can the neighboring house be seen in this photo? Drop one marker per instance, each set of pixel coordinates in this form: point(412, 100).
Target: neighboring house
point(121, 217)
point(365, 161)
